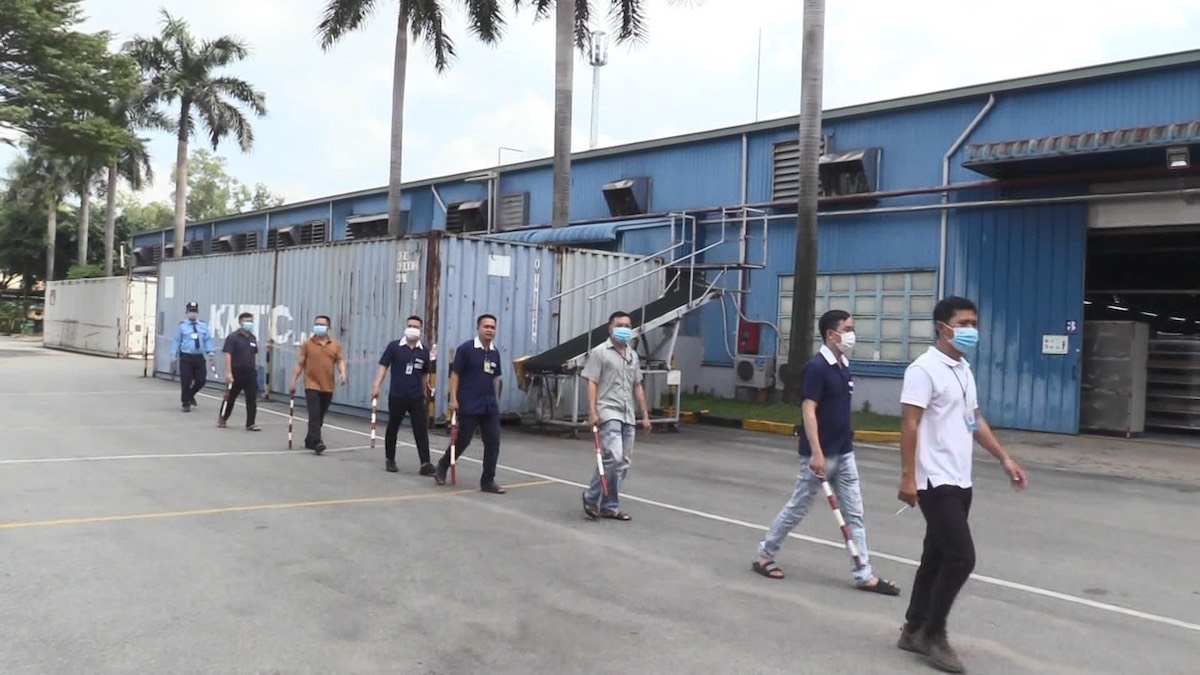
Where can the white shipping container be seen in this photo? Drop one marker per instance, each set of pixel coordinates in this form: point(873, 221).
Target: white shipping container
point(109, 316)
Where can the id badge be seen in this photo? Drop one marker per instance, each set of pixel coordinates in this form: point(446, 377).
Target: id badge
point(408, 370)
point(195, 336)
point(488, 367)
point(972, 424)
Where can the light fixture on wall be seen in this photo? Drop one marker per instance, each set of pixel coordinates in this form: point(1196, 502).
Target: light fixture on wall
point(1178, 157)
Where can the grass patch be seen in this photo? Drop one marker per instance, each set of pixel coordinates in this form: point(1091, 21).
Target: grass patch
point(779, 412)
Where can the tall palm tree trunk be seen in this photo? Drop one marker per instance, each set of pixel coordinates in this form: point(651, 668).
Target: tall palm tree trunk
point(804, 296)
point(85, 218)
point(564, 74)
point(181, 169)
point(51, 233)
point(396, 153)
point(110, 219)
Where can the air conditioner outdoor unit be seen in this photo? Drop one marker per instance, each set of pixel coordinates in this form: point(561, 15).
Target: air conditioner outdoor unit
point(780, 362)
point(757, 372)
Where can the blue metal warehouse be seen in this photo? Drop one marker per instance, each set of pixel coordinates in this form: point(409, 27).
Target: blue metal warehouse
point(1064, 204)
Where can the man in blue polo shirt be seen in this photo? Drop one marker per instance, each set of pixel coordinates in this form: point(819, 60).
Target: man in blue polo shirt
point(828, 446)
point(191, 342)
point(409, 362)
point(475, 394)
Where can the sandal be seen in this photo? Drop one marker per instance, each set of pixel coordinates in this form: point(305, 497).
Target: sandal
point(619, 515)
point(881, 586)
point(590, 509)
point(768, 569)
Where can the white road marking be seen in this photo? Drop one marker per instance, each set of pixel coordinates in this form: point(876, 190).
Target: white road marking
point(24, 394)
point(1003, 583)
point(169, 455)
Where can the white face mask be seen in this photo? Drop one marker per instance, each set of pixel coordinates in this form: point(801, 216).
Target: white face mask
point(412, 333)
point(848, 342)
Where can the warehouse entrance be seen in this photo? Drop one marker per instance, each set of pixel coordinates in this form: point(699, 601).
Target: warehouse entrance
point(1141, 346)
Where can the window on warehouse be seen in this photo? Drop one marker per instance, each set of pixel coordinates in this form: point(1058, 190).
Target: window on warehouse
point(893, 311)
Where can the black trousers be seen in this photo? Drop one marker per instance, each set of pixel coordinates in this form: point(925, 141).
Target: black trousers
point(489, 428)
point(245, 380)
point(318, 404)
point(192, 376)
point(414, 407)
point(947, 559)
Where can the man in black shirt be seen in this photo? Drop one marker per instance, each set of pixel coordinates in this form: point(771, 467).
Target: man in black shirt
point(241, 369)
point(409, 361)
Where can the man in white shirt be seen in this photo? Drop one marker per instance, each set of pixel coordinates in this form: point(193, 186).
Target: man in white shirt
point(940, 420)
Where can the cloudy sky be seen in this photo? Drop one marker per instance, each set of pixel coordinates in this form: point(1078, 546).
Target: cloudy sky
point(327, 131)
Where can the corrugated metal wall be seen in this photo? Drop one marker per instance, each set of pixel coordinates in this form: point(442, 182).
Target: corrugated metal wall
point(366, 288)
point(512, 282)
point(1024, 269)
point(224, 286)
point(577, 314)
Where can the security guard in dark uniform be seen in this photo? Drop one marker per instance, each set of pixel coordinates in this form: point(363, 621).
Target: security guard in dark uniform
point(190, 344)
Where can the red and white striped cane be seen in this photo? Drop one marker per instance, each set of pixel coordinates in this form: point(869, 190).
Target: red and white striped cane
point(837, 514)
point(291, 418)
point(454, 448)
point(374, 412)
point(600, 460)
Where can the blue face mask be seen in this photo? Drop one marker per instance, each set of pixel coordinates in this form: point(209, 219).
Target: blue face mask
point(248, 326)
point(320, 330)
point(965, 338)
point(622, 334)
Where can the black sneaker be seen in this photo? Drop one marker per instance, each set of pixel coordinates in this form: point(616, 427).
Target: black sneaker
point(187, 408)
point(391, 466)
point(427, 469)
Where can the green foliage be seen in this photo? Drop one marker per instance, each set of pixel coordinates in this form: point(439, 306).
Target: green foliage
point(185, 72)
point(785, 413)
point(213, 193)
point(56, 82)
point(138, 217)
point(426, 20)
point(85, 271)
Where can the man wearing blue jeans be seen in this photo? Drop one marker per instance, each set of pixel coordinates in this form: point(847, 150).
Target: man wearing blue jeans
point(828, 445)
point(614, 378)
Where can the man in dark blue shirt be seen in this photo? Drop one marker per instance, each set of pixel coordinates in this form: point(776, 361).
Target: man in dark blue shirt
point(191, 342)
point(241, 370)
point(475, 395)
point(828, 446)
point(409, 361)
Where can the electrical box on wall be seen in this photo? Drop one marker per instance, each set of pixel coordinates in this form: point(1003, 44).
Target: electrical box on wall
point(748, 337)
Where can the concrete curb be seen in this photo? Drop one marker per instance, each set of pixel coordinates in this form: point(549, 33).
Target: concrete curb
point(781, 429)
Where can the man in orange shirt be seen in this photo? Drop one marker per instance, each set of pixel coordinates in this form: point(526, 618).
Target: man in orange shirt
point(318, 356)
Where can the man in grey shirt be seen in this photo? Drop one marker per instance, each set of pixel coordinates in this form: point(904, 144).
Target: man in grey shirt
point(614, 379)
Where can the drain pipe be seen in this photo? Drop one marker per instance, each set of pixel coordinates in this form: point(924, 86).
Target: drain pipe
point(958, 142)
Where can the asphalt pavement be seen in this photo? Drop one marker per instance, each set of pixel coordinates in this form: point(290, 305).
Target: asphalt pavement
point(139, 539)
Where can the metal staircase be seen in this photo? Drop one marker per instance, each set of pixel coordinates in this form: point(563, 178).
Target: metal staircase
point(697, 261)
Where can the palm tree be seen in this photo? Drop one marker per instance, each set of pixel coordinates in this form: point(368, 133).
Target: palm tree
point(185, 71)
point(571, 29)
point(44, 176)
point(132, 163)
point(425, 19)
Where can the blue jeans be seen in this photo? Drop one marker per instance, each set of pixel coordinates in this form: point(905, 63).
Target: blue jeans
point(842, 473)
point(616, 446)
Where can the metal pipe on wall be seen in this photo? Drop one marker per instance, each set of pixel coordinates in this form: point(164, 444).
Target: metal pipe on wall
point(945, 225)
